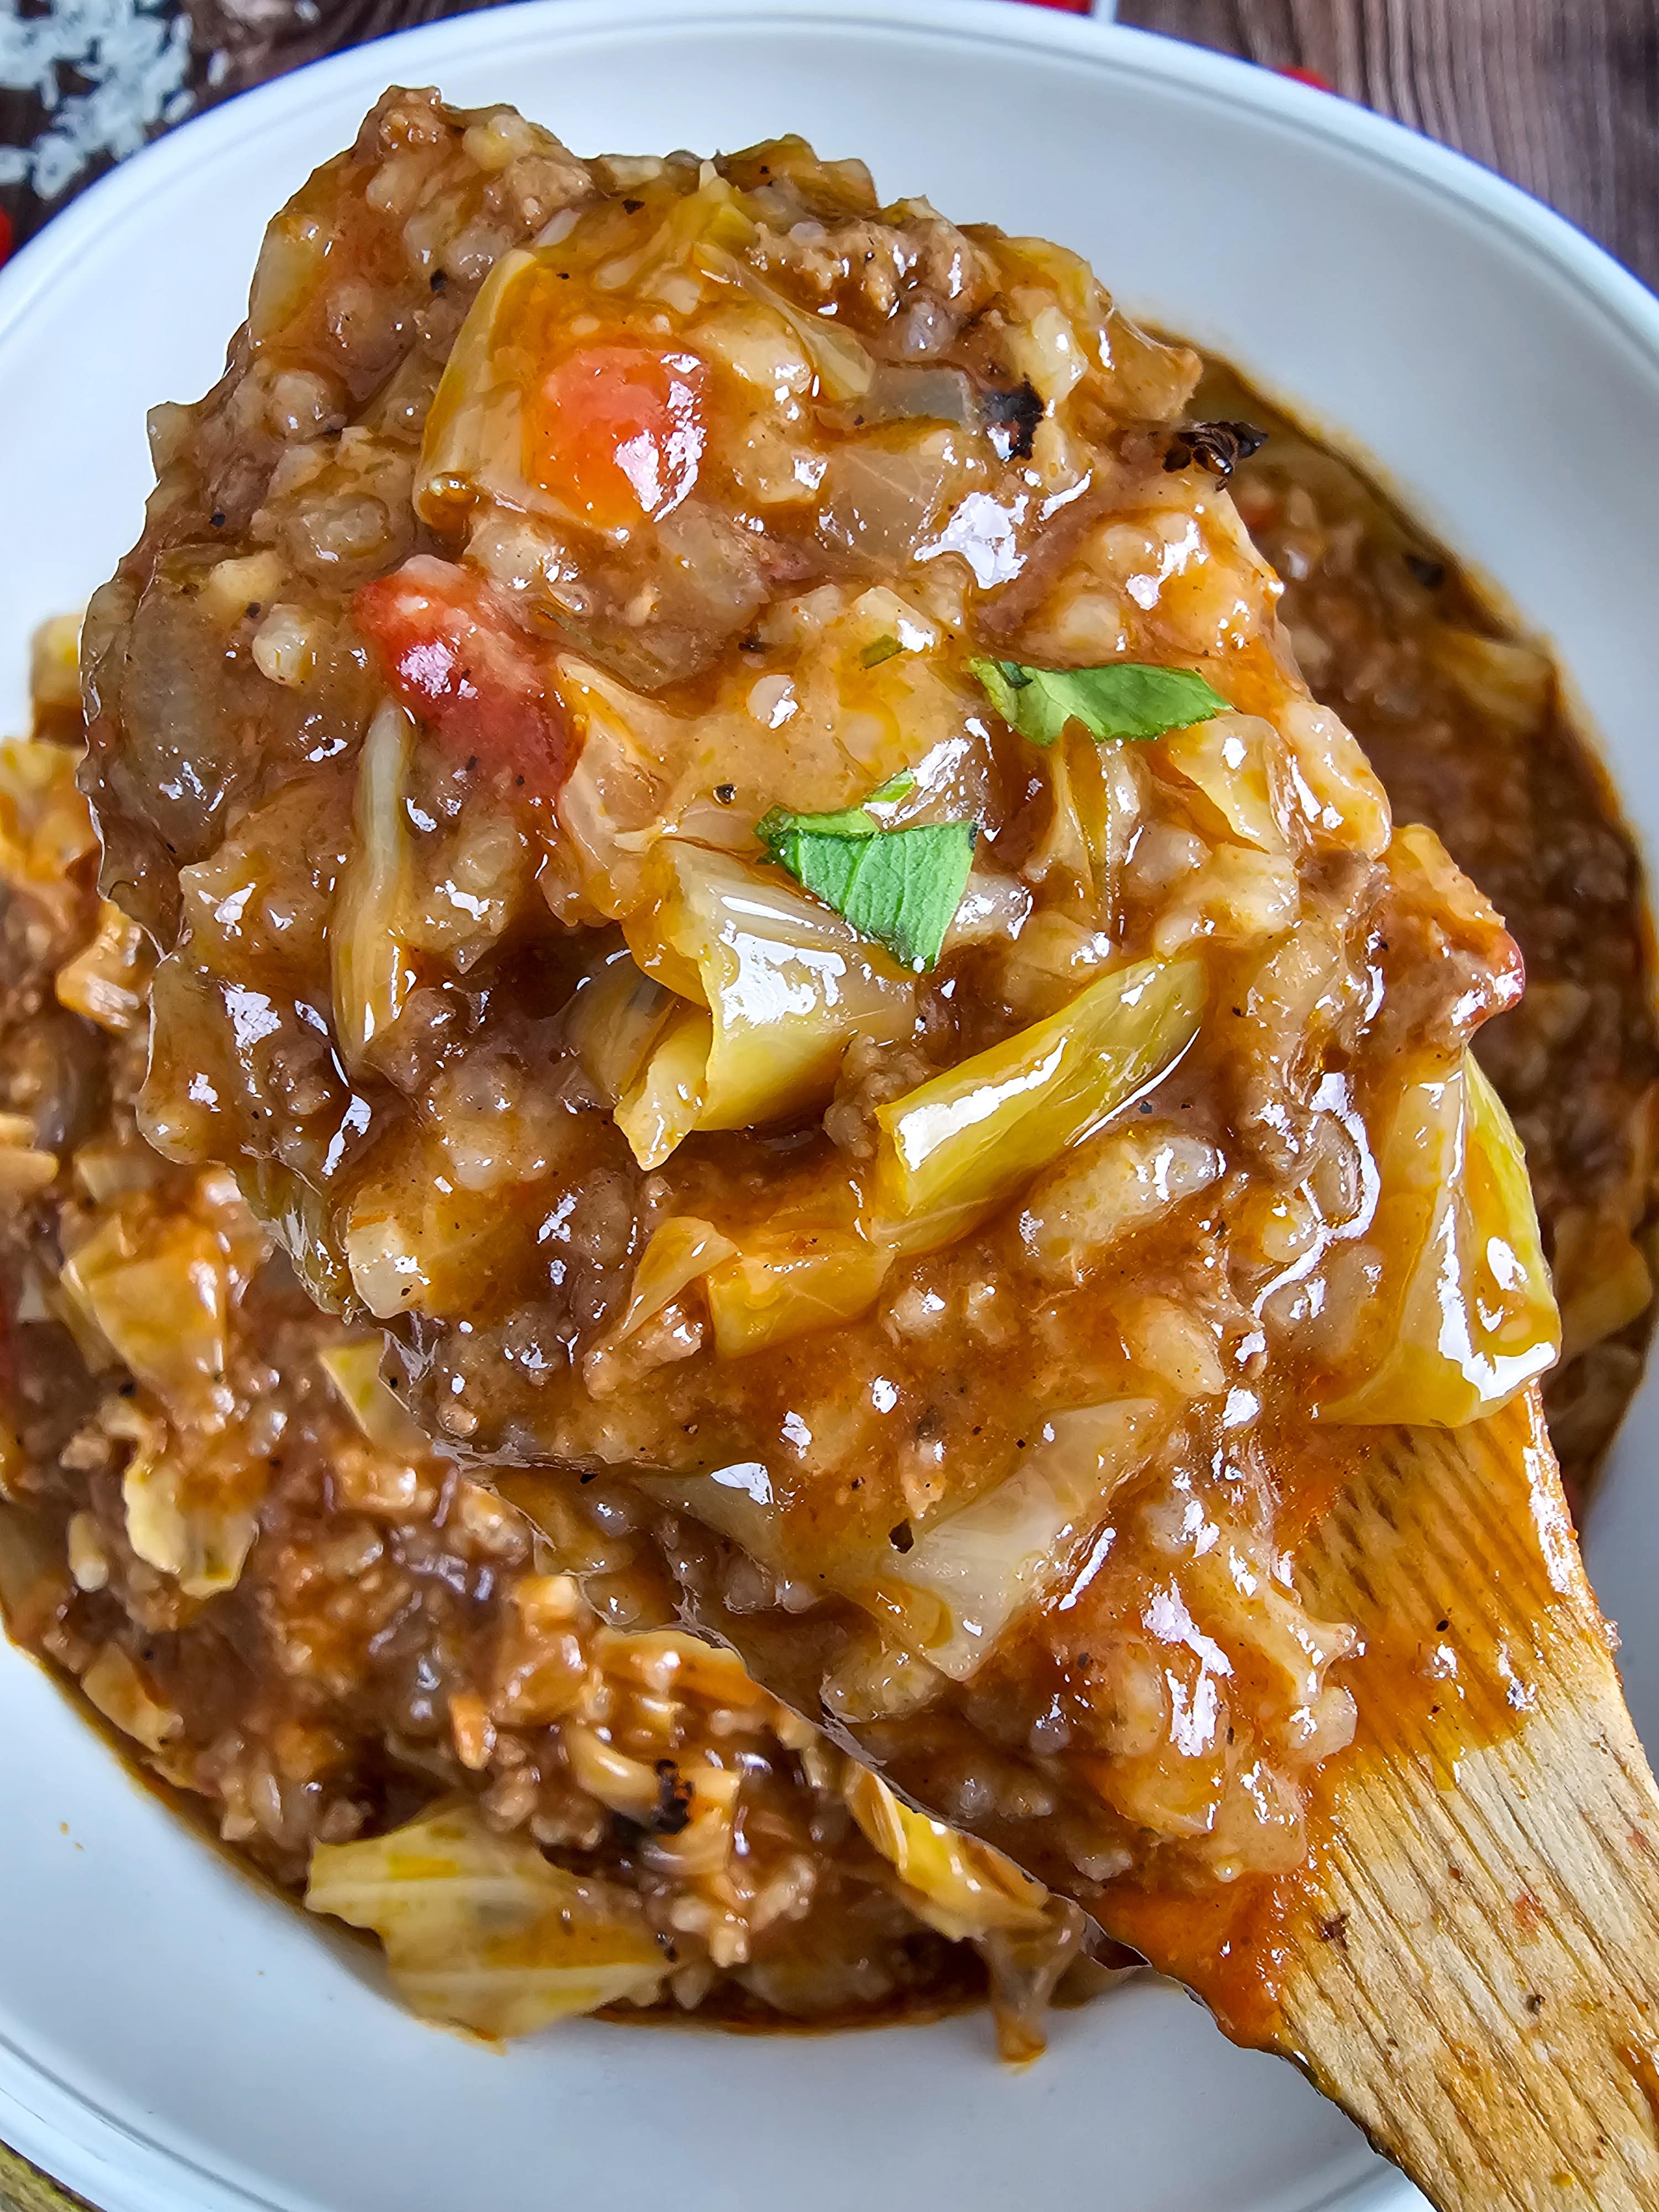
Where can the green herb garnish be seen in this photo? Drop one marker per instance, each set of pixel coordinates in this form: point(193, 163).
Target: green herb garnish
point(900, 887)
point(896, 788)
point(880, 649)
point(1124, 699)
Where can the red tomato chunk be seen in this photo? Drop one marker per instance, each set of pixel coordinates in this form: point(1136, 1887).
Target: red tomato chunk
point(454, 658)
point(619, 431)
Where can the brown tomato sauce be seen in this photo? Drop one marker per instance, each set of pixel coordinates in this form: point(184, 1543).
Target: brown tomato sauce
point(462, 1015)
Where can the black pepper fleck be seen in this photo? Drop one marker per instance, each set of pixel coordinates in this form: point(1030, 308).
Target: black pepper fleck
point(1217, 448)
point(1010, 419)
point(673, 1808)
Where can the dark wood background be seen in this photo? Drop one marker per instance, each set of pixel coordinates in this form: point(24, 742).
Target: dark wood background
point(1562, 95)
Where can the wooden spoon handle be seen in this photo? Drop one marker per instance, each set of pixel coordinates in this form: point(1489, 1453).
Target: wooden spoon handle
point(1476, 1969)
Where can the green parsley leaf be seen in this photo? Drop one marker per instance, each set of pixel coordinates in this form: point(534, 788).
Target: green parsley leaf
point(880, 649)
point(900, 887)
point(896, 788)
point(1124, 699)
point(774, 829)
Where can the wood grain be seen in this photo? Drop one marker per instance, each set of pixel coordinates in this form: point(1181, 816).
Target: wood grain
point(1477, 1967)
point(23, 2189)
point(1560, 95)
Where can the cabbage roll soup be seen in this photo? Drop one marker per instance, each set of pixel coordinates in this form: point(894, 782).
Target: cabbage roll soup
point(715, 829)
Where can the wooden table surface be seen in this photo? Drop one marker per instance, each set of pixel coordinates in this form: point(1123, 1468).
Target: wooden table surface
point(1562, 95)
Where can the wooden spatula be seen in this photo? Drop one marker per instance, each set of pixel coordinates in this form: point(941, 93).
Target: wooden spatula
point(1469, 1964)
point(1474, 1974)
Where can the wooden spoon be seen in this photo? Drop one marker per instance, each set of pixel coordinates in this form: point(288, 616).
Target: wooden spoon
point(1469, 1964)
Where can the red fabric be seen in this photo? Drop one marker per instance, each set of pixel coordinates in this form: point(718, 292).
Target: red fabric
point(1068, 7)
point(5, 238)
point(1309, 76)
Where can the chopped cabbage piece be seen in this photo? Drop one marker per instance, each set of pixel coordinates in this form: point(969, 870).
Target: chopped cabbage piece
point(665, 1102)
point(782, 1285)
point(300, 1218)
point(25, 1170)
point(679, 1251)
point(193, 1514)
point(1465, 1316)
point(1602, 1280)
point(483, 1931)
point(44, 827)
point(970, 1137)
point(472, 426)
point(1226, 759)
point(31, 1560)
point(1507, 682)
point(352, 1366)
point(788, 985)
point(159, 1293)
point(616, 1018)
point(109, 979)
point(967, 1574)
point(116, 1687)
point(843, 366)
point(955, 1884)
point(55, 665)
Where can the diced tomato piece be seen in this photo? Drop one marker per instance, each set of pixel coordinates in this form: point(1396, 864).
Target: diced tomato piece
point(454, 656)
point(618, 431)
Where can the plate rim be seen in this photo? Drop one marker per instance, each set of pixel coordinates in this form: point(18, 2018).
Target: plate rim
point(1620, 296)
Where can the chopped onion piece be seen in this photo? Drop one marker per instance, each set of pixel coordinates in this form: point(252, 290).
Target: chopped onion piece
point(372, 976)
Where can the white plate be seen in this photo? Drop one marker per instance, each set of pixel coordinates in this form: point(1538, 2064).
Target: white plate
point(171, 2038)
